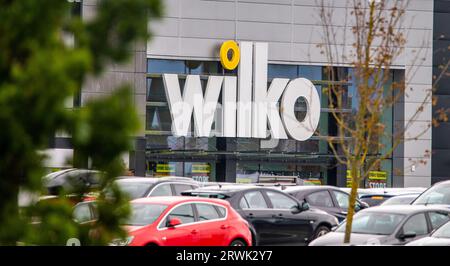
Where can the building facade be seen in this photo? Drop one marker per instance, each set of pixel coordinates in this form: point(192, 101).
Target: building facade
point(187, 42)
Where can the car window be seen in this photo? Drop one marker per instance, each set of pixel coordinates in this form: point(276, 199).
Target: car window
point(82, 213)
point(184, 212)
point(280, 201)
point(222, 211)
point(374, 223)
point(254, 200)
point(416, 224)
point(181, 188)
point(161, 190)
point(442, 232)
point(144, 214)
point(437, 219)
point(134, 190)
point(320, 199)
point(341, 198)
point(206, 212)
point(438, 194)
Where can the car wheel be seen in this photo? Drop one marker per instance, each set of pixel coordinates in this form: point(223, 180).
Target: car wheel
point(321, 230)
point(238, 243)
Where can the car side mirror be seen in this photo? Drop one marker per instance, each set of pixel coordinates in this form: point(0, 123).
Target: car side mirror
point(404, 236)
point(305, 206)
point(174, 222)
point(296, 209)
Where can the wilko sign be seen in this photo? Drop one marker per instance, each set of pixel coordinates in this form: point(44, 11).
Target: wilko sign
point(248, 107)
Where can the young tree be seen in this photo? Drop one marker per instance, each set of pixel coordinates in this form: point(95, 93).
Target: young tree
point(377, 39)
point(39, 72)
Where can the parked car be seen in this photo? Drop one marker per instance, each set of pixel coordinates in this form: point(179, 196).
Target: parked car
point(400, 200)
point(71, 180)
point(141, 187)
point(388, 225)
point(185, 221)
point(275, 217)
point(440, 237)
point(437, 194)
point(377, 196)
point(327, 198)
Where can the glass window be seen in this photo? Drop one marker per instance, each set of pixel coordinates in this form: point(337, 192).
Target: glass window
point(375, 223)
point(282, 71)
point(311, 72)
point(320, 199)
point(222, 211)
point(255, 200)
point(438, 218)
point(161, 190)
point(341, 198)
point(438, 194)
point(184, 212)
point(134, 190)
point(181, 188)
point(161, 66)
point(442, 232)
point(144, 214)
point(206, 212)
point(155, 90)
point(243, 203)
point(82, 213)
point(280, 201)
point(158, 118)
point(416, 224)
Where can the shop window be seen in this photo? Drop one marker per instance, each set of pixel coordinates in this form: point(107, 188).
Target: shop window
point(161, 66)
point(282, 71)
point(158, 118)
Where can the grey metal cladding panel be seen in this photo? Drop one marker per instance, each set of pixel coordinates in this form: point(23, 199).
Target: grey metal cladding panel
point(264, 12)
point(441, 136)
point(172, 8)
point(164, 27)
point(257, 31)
point(440, 166)
point(441, 52)
point(440, 27)
point(443, 84)
point(207, 9)
point(197, 28)
point(442, 6)
point(443, 101)
point(278, 2)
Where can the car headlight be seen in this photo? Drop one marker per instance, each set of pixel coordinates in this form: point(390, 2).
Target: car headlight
point(121, 241)
point(336, 220)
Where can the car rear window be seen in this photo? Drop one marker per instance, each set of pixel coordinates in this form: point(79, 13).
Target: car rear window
point(144, 214)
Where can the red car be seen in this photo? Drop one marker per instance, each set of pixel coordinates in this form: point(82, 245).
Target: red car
point(185, 221)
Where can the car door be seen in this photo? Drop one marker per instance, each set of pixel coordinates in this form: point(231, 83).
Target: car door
point(211, 225)
point(416, 224)
point(254, 208)
point(291, 228)
point(323, 200)
point(341, 200)
point(185, 234)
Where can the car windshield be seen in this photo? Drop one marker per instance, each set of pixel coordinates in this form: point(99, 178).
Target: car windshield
point(400, 200)
point(375, 223)
point(144, 213)
point(134, 189)
point(438, 194)
point(443, 231)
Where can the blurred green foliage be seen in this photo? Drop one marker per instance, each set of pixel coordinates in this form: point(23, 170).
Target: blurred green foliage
point(39, 72)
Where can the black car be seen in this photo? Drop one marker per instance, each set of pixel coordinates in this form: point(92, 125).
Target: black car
point(142, 187)
point(327, 198)
point(275, 217)
point(388, 225)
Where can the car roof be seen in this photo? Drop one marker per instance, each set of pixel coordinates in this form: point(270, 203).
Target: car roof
point(404, 209)
point(229, 189)
point(308, 188)
point(170, 200)
point(139, 179)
